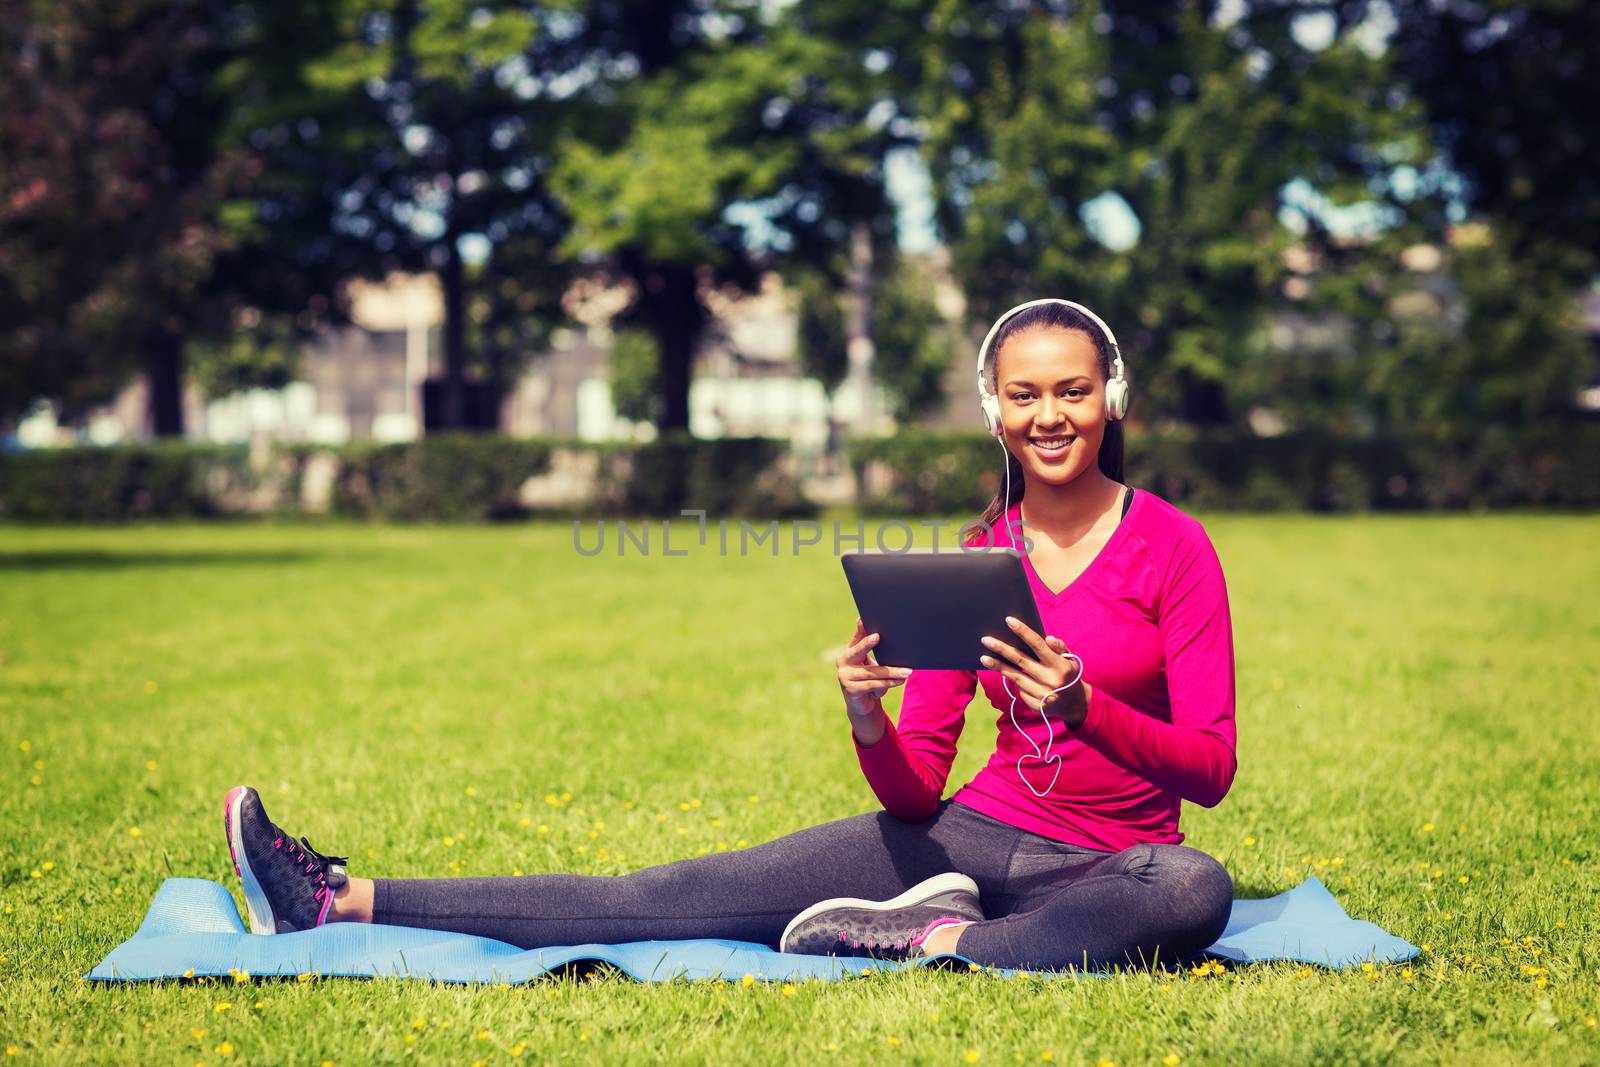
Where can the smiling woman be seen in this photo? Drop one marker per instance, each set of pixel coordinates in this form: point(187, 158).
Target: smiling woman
point(1063, 851)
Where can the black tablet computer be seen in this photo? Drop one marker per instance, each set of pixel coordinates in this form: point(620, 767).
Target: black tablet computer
point(932, 608)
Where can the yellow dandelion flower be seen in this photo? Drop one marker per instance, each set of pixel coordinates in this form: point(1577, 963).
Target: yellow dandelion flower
point(471, 791)
point(150, 764)
point(221, 1005)
point(789, 989)
point(749, 979)
point(198, 1033)
point(543, 829)
point(12, 1050)
point(1105, 1063)
point(661, 818)
point(38, 764)
point(482, 1035)
point(134, 831)
point(1464, 879)
point(892, 1041)
point(189, 973)
point(411, 1039)
point(1172, 1059)
point(683, 805)
point(1561, 924)
point(260, 1004)
point(47, 865)
point(972, 1056)
point(1427, 827)
point(1249, 841)
point(972, 967)
point(524, 822)
point(518, 1049)
point(752, 798)
point(36, 873)
point(552, 800)
point(565, 797)
point(419, 1024)
point(1047, 1056)
point(25, 746)
point(627, 805)
point(225, 1049)
point(36, 780)
point(303, 977)
point(327, 1063)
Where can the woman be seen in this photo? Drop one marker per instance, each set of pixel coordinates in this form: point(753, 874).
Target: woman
point(1063, 851)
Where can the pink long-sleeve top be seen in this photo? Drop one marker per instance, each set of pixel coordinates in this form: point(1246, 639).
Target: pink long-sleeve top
point(1149, 616)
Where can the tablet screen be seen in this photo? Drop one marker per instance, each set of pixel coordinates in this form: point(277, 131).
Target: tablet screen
point(933, 608)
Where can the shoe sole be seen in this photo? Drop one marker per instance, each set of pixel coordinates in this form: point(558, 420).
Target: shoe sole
point(920, 893)
point(255, 901)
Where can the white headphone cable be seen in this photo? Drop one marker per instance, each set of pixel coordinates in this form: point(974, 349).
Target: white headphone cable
point(1041, 754)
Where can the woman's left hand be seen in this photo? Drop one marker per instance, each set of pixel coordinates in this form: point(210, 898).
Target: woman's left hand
point(1032, 679)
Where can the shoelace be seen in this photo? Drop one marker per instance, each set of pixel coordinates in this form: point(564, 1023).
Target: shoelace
point(848, 946)
point(315, 864)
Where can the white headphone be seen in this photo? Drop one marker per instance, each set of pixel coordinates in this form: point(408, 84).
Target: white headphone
point(1117, 394)
point(989, 403)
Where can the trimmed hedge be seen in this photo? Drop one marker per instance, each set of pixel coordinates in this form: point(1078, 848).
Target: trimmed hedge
point(123, 482)
point(1554, 465)
point(448, 477)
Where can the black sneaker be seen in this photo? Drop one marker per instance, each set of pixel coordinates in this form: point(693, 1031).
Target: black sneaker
point(884, 929)
point(288, 885)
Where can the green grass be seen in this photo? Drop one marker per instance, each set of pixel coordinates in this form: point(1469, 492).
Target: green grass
point(1417, 707)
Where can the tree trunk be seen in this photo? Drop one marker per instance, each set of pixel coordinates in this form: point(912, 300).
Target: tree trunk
point(455, 340)
point(163, 371)
point(669, 307)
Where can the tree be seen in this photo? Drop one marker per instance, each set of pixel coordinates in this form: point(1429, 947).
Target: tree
point(111, 176)
point(1045, 122)
point(732, 139)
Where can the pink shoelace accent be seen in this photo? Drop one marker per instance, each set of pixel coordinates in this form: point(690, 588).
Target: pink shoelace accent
point(326, 890)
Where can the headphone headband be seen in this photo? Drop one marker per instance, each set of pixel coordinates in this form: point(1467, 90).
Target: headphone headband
point(983, 350)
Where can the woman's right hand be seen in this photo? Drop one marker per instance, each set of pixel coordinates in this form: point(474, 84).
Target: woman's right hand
point(864, 682)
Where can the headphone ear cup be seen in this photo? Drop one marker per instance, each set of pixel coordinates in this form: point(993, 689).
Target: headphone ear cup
point(1116, 399)
point(990, 406)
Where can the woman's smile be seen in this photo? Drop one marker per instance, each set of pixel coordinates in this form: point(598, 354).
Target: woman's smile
point(1052, 448)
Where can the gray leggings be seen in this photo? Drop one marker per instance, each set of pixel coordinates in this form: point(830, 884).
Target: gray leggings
point(1048, 904)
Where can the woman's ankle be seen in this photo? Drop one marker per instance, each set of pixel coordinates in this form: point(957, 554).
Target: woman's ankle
point(352, 902)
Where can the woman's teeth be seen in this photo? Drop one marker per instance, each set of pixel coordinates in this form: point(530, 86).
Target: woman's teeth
point(1051, 444)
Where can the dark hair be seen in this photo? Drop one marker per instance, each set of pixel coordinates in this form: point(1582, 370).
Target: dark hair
point(1058, 317)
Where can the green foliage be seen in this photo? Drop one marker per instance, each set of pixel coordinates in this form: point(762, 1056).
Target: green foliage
point(441, 477)
point(1554, 464)
point(449, 477)
point(822, 337)
point(164, 480)
point(730, 476)
point(913, 345)
point(1197, 129)
point(635, 375)
point(260, 352)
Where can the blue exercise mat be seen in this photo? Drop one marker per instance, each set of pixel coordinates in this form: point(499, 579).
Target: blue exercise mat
point(193, 929)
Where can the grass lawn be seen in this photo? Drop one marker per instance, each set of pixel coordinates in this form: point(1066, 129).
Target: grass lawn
point(1419, 702)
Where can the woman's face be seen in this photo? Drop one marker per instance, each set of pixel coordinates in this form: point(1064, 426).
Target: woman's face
point(1052, 402)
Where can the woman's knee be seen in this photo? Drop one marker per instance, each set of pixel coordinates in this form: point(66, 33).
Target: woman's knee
point(1198, 889)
